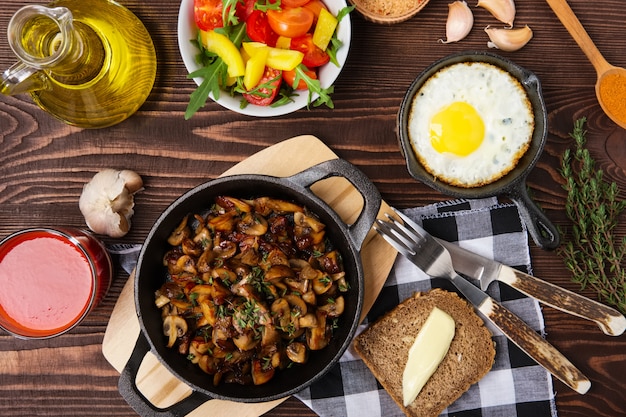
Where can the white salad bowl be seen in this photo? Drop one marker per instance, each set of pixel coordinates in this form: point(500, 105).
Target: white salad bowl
point(187, 32)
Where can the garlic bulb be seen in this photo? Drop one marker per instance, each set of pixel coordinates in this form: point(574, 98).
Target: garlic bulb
point(503, 10)
point(508, 39)
point(107, 201)
point(459, 23)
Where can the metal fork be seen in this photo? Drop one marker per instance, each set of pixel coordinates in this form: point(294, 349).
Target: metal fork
point(434, 259)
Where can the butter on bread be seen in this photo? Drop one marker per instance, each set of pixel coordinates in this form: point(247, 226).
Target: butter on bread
point(384, 347)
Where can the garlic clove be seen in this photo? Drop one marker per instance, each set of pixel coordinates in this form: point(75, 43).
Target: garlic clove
point(508, 39)
point(459, 23)
point(132, 180)
point(107, 201)
point(503, 10)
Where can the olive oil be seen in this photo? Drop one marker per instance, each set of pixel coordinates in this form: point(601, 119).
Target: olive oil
point(107, 70)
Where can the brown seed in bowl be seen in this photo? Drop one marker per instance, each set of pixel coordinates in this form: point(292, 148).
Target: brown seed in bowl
point(389, 12)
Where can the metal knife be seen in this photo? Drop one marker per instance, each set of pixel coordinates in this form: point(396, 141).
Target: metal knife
point(527, 339)
point(486, 271)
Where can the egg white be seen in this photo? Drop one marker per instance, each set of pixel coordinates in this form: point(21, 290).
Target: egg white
point(504, 107)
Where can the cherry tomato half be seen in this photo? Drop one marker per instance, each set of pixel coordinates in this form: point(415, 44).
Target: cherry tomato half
point(315, 6)
point(208, 14)
point(290, 77)
point(243, 10)
point(259, 30)
point(290, 22)
point(266, 95)
point(293, 3)
point(313, 55)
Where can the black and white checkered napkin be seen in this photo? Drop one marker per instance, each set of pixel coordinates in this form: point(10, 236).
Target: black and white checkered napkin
point(515, 386)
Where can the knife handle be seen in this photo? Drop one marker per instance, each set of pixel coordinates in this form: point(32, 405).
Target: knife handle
point(610, 320)
point(535, 346)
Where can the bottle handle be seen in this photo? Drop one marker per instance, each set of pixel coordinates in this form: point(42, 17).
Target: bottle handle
point(21, 78)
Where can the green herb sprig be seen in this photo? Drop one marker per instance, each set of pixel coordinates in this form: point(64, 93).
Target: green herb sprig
point(594, 255)
point(228, 12)
point(315, 87)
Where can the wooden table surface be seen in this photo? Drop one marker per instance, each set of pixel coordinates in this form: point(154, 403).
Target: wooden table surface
point(44, 164)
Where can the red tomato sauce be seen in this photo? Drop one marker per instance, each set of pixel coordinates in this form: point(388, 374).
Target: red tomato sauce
point(46, 284)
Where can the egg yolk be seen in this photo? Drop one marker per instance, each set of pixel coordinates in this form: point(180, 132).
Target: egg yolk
point(457, 129)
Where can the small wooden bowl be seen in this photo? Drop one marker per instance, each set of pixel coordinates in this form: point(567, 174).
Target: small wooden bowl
point(388, 12)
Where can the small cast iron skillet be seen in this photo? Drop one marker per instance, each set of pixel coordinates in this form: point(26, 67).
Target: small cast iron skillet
point(513, 184)
point(150, 274)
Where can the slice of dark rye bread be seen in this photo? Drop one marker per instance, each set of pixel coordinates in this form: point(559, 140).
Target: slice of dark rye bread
point(384, 347)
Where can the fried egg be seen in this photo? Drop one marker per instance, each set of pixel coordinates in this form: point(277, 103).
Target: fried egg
point(470, 123)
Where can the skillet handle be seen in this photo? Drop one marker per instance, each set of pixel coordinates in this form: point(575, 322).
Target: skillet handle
point(371, 196)
point(128, 389)
point(541, 229)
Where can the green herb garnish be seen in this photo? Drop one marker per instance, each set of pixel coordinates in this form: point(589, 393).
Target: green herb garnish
point(228, 12)
point(335, 43)
point(325, 280)
point(314, 87)
point(264, 6)
point(594, 256)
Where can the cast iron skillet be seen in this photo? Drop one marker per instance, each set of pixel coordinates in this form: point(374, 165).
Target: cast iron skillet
point(512, 185)
point(150, 275)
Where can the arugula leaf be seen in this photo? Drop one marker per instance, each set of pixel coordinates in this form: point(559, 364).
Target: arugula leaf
point(335, 43)
point(333, 47)
point(315, 87)
point(213, 75)
point(284, 97)
point(265, 5)
point(236, 33)
point(214, 71)
point(258, 90)
point(344, 12)
point(228, 12)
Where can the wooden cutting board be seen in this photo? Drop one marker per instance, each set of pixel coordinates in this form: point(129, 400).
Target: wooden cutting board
point(283, 159)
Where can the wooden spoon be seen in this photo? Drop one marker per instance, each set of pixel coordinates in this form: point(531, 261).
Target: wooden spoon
point(611, 83)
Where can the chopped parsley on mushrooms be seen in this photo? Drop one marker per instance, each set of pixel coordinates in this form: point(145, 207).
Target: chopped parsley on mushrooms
point(254, 285)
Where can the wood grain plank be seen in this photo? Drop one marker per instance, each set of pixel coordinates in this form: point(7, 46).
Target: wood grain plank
point(43, 165)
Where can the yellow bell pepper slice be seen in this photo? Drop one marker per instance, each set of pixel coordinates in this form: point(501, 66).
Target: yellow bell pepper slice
point(251, 48)
point(280, 59)
point(284, 59)
point(255, 67)
point(283, 42)
point(324, 30)
point(224, 48)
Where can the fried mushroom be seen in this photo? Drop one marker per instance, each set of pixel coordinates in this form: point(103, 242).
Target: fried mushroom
point(253, 288)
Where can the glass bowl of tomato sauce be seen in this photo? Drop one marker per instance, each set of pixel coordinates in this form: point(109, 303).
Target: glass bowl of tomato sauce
point(51, 279)
point(196, 16)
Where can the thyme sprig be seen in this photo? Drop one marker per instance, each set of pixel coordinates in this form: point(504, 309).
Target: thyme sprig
point(594, 255)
